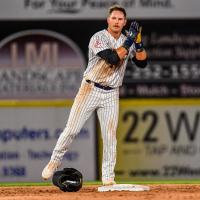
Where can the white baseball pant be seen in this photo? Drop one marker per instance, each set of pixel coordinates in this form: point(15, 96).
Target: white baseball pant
point(88, 99)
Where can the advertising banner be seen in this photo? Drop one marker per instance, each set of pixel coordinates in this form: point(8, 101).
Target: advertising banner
point(158, 139)
point(28, 134)
point(96, 9)
point(173, 62)
point(40, 59)
point(39, 64)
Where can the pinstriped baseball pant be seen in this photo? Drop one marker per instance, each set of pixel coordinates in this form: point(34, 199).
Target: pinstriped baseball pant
point(88, 99)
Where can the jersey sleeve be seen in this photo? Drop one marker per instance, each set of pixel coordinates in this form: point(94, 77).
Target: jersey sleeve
point(99, 42)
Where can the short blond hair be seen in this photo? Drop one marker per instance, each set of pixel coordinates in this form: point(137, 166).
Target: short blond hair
point(118, 8)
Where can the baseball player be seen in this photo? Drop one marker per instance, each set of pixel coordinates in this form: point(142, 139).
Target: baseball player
point(109, 51)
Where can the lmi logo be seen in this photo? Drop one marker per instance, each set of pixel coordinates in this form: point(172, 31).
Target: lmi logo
point(46, 54)
point(39, 64)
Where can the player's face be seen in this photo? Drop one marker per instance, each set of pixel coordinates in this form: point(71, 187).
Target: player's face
point(116, 21)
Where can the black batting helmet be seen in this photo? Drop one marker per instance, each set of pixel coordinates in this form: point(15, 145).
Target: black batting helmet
point(68, 180)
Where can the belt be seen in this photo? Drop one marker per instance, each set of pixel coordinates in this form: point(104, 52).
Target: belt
point(99, 85)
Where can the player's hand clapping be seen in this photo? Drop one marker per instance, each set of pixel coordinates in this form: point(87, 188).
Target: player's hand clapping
point(131, 35)
point(138, 41)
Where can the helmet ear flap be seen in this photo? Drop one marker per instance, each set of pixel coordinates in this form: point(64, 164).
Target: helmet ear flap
point(56, 178)
point(68, 180)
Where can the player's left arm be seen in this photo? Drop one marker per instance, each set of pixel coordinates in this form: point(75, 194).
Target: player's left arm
point(140, 58)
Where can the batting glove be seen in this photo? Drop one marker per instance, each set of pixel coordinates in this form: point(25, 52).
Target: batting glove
point(138, 41)
point(131, 35)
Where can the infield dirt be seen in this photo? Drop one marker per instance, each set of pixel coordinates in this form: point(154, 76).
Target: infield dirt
point(157, 192)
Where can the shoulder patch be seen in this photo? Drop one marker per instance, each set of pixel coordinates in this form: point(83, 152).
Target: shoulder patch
point(97, 44)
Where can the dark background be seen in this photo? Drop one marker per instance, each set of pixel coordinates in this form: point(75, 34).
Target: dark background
point(164, 84)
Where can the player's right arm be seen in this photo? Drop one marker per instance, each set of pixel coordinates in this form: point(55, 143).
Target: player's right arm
point(100, 46)
point(114, 56)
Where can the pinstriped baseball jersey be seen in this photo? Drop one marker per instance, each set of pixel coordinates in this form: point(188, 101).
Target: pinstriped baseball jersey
point(98, 70)
point(91, 98)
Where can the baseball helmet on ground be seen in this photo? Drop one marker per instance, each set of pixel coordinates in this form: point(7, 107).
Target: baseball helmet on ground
point(68, 180)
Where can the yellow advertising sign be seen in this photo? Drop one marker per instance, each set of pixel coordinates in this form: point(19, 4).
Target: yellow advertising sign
point(158, 139)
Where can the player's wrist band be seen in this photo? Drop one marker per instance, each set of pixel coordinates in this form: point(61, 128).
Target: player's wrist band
point(127, 43)
point(139, 47)
point(126, 47)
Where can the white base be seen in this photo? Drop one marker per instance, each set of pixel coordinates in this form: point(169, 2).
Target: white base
point(123, 187)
